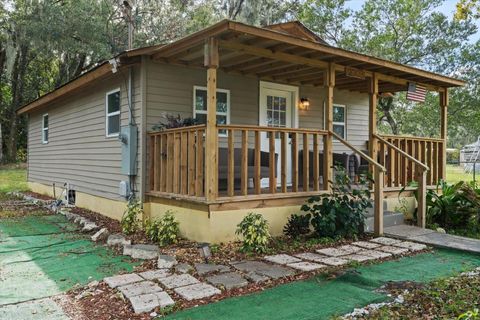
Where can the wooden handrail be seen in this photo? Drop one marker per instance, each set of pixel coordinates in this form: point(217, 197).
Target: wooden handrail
point(409, 137)
point(269, 129)
point(181, 129)
point(360, 153)
point(403, 153)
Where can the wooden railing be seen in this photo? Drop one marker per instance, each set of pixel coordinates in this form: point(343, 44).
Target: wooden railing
point(400, 170)
point(378, 178)
point(177, 161)
point(419, 168)
point(247, 152)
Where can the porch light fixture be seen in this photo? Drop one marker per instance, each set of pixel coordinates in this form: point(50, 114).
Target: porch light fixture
point(304, 104)
point(204, 250)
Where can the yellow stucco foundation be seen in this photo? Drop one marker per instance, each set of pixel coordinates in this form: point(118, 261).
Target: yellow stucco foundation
point(197, 221)
point(111, 208)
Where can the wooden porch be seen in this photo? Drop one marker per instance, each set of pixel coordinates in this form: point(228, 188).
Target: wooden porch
point(199, 164)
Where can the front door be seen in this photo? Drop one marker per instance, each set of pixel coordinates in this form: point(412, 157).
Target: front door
point(277, 110)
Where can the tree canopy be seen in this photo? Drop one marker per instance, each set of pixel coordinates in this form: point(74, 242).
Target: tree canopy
point(45, 43)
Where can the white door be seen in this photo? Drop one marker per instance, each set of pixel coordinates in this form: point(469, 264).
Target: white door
point(277, 110)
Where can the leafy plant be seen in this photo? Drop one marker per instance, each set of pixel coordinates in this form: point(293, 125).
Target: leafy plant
point(172, 122)
point(470, 315)
point(297, 225)
point(342, 212)
point(164, 231)
point(254, 230)
point(131, 217)
point(452, 205)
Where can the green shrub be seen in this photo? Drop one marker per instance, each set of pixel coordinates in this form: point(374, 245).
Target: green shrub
point(342, 212)
point(164, 231)
point(131, 217)
point(254, 230)
point(297, 225)
point(452, 205)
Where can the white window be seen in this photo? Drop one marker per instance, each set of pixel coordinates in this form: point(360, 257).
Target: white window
point(112, 108)
point(340, 120)
point(200, 105)
point(45, 128)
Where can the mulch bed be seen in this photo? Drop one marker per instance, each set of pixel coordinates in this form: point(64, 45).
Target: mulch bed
point(38, 195)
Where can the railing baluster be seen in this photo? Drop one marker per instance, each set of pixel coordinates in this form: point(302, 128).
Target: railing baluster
point(258, 161)
point(184, 163)
point(155, 156)
point(231, 164)
point(199, 164)
point(315, 163)
point(191, 162)
point(163, 162)
point(273, 169)
point(294, 162)
point(306, 155)
point(244, 168)
point(284, 162)
point(176, 162)
point(435, 163)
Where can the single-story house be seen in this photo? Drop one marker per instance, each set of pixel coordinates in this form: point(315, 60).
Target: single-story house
point(276, 107)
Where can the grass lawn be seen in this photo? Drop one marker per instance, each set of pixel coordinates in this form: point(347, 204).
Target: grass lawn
point(13, 178)
point(456, 174)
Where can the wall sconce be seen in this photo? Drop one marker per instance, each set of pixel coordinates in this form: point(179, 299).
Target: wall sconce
point(304, 104)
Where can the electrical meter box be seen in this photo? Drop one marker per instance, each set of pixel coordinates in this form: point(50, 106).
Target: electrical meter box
point(128, 138)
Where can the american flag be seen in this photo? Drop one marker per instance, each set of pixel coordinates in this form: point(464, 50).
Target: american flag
point(416, 92)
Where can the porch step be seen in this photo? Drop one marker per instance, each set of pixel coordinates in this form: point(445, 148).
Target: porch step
point(390, 219)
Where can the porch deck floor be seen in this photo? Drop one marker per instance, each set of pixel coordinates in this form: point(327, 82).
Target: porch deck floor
point(433, 238)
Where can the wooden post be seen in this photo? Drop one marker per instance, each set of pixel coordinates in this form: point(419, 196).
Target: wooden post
point(443, 132)
point(211, 136)
point(328, 144)
point(378, 202)
point(422, 201)
point(372, 118)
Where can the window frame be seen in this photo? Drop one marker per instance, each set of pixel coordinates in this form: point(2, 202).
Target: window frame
point(227, 114)
point(344, 123)
point(45, 141)
point(107, 114)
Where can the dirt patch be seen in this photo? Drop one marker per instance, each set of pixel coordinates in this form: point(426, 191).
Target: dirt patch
point(38, 196)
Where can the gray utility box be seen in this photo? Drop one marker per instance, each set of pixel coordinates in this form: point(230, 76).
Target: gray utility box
point(128, 138)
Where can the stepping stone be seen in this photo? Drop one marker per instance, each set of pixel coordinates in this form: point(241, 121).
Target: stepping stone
point(393, 250)
point(122, 279)
point(117, 240)
point(179, 280)
point(101, 235)
point(358, 257)
point(349, 248)
point(282, 259)
point(366, 244)
point(139, 288)
point(375, 254)
point(166, 261)
point(229, 280)
point(412, 246)
point(148, 302)
point(334, 261)
point(155, 274)
point(332, 252)
point(141, 251)
point(183, 268)
point(197, 291)
point(89, 226)
point(311, 256)
point(255, 277)
point(385, 241)
point(305, 266)
point(204, 268)
point(264, 269)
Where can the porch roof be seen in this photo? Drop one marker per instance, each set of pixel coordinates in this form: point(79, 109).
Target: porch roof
point(275, 53)
point(278, 55)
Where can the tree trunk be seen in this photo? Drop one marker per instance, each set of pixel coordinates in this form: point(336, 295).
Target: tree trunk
point(385, 105)
point(18, 77)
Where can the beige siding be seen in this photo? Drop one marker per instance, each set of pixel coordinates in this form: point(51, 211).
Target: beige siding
point(170, 90)
point(78, 152)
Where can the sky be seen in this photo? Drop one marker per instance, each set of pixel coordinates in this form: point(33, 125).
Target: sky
point(448, 8)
